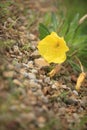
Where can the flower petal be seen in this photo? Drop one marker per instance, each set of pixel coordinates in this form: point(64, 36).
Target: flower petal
point(53, 48)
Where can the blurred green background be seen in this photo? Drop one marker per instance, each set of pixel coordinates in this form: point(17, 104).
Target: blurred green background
point(73, 6)
point(70, 8)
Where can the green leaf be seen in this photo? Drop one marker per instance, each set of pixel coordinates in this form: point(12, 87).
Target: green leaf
point(55, 22)
point(75, 66)
point(80, 40)
point(47, 19)
point(72, 29)
point(43, 31)
point(83, 61)
point(79, 43)
point(64, 28)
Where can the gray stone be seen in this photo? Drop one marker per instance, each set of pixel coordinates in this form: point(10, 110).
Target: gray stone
point(31, 76)
point(34, 85)
point(75, 92)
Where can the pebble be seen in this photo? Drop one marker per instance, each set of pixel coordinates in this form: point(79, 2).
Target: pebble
point(54, 86)
point(35, 54)
point(25, 65)
point(28, 117)
point(62, 111)
point(71, 101)
point(76, 117)
point(34, 71)
point(83, 102)
point(8, 74)
point(34, 86)
point(16, 49)
point(25, 74)
point(40, 62)
point(10, 20)
point(80, 109)
point(44, 98)
point(75, 92)
point(10, 66)
point(41, 121)
point(40, 81)
point(64, 86)
point(33, 47)
point(19, 57)
point(20, 53)
point(38, 93)
point(31, 76)
point(30, 64)
point(32, 36)
point(47, 80)
point(17, 82)
point(22, 106)
point(14, 108)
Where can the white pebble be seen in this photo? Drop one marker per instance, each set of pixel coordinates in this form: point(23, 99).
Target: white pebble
point(75, 92)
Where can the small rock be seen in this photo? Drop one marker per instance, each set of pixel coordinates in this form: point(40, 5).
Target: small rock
point(41, 121)
point(28, 117)
point(83, 102)
point(71, 101)
point(64, 86)
point(62, 111)
point(40, 62)
point(35, 54)
point(20, 53)
point(34, 86)
point(22, 28)
point(33, 45)
point(25, 74)
point(30, 64)
point(47, 80)
point(75, 92)
point(17, 65)
point(31, 76)
point(10, 66)
point(22, 106)
point(40, 81)
point(13, 56)
point(14, 108)
point(76, 117)
point(32, 36)
point(19, 57)
point(16, 49)
point(34, 71)
point(8, 74)
point(25, 65)
point(80, 109)
point(10, 20)
point(54, 86)
point(38, 93)
point(17, 82)
point(44, 98)
point(22, 71)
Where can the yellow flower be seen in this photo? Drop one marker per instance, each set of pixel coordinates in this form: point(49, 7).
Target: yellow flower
point(53, 48)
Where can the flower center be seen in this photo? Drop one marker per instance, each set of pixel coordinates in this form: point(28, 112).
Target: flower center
point(57, 45)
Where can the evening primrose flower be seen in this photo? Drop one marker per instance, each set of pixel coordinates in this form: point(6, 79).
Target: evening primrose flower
point(53, 48)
